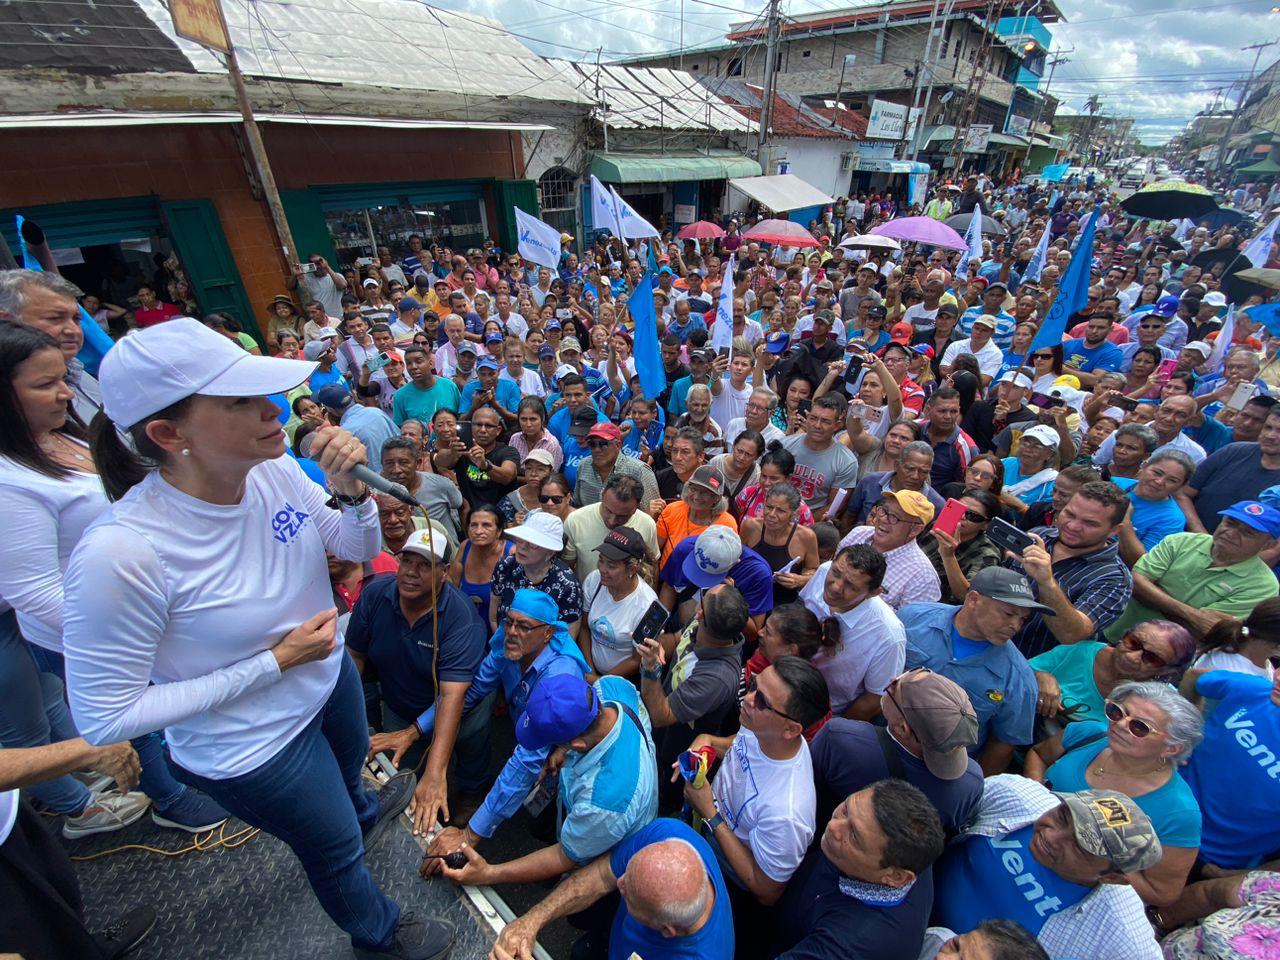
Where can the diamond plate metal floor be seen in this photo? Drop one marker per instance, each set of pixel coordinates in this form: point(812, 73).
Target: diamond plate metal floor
point(251, 902)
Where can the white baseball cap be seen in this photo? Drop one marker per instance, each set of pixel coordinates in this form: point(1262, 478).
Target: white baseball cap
point(1215, 297)
point(1043, 433)
point(1016, 378)
point(714, 554)
point(541, 529)
point(1199, 346)
point(156, 367)
point(432, 544)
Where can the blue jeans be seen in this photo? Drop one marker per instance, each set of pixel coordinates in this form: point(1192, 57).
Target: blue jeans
point(310, 795)
point(156, 780)
point(33, 713)
point(470, 749)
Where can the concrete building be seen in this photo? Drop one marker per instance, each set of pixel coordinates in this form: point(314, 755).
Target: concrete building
point(873, 58)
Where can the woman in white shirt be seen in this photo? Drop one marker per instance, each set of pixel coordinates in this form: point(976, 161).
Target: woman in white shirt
point(1244, 647)
point(617, 600)
point(52, 492)
point(200, 604)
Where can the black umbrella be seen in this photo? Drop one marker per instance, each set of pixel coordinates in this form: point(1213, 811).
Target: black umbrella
point(1217, 259)
point(1222, 217)
point(1170, 200)
point(960, 224)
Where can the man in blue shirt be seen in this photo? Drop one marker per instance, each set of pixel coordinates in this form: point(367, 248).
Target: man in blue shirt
point(865, 889)
point(970, 645)
point(684, 320)
point(487, 390)
point(1092, 354)
point(369, 425)
point(608, 783)
point(702, 562)
point(574, 393)
point(674, 903)
point(1234, 772)
point(425, 640)
point(699, 372)
point(531, 644)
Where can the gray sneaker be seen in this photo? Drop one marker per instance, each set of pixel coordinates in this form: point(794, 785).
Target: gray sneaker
point(106, 812)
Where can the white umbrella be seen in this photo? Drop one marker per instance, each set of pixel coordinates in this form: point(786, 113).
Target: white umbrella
point(870, 241)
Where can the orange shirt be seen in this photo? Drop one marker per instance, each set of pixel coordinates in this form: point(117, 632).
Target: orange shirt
point(674, 526)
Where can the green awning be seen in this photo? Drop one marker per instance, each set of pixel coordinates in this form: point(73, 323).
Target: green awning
point(1264, 166)
point(668, 168)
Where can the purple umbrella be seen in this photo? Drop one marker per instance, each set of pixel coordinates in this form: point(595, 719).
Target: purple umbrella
point(922, 230)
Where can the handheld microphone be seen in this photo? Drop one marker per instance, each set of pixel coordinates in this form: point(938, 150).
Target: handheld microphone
point(378, 482)
point(374, 481)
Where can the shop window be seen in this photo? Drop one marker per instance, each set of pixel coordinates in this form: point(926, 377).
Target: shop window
point(735, 68)
point(358, 231)
point(557, 189)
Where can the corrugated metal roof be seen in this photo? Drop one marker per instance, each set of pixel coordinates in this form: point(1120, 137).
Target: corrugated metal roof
point(651, 97)
point(791, 117)
point(402, 44)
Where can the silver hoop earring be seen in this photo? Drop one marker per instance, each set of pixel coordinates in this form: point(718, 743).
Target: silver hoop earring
point(186, 451)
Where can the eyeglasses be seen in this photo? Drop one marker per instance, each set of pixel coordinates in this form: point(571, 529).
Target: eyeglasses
point(551, 498)
point(760, 703)
point(891, 519)
point(519, 626)
point(1131, 642)
point(1137, 726)
point(598, 444)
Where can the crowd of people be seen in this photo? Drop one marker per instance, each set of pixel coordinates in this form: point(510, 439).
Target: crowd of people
point(878, 630)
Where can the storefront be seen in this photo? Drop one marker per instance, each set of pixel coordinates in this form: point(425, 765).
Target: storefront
point(902, 178)
point(668, 190)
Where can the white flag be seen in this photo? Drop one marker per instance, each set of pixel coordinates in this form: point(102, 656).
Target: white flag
point(1036, 264)
point(604, 212)
point(1258, 252)
point(537, 241)
point(722, 332)
point(1222, 342)
point(972, 237)
point(633, 226)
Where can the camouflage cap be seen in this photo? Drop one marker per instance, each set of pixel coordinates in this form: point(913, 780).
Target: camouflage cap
point(1110, 825)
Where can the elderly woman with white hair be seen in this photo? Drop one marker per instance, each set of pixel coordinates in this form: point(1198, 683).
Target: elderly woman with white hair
point(1150, 730)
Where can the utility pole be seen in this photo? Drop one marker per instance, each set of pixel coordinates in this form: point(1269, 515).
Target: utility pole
point(1244, 96)
point(906, 121)
point(1053, 65)
point(258, 149)
point(917, 142)
point(977, 76)
point(770, 78)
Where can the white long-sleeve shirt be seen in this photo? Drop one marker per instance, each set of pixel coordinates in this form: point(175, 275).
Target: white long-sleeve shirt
point(173, 605)
point(45, 518)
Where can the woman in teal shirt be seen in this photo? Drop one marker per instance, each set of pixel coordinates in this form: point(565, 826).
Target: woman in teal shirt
point(1149, 731)
point(1075, 678)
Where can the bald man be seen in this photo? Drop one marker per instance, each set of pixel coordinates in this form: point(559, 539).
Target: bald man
point(673, 901)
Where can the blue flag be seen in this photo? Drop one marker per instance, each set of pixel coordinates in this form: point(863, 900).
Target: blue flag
point(96, 341)
point(653, 260)
point(1073, 292)
point(1054, 172)
point(648, 358)
point(1267, 314)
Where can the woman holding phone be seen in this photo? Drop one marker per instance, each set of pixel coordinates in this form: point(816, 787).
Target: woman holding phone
point(958, 552)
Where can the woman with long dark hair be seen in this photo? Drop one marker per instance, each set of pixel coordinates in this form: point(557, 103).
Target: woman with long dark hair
point(1245, 646)
point(53, 492)
point(200, 604)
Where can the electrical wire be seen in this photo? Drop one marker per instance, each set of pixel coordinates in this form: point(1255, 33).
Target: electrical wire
point(213, 840)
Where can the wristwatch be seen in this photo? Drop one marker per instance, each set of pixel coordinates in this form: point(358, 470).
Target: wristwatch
point(714, 822)
point(654, 674)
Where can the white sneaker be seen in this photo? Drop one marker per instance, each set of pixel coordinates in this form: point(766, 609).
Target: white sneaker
point(106, 812)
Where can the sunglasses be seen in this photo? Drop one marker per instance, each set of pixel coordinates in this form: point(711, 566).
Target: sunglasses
point(1137, 726)
point(1042, 356)
point(973, 516)
point(760, 703)
point(1131, 642)
point(551, 498)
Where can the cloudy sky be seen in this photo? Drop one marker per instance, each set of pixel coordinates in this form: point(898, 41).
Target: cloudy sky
point(1157, 61)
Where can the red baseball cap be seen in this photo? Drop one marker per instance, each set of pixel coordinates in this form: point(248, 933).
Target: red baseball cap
point(606, 431)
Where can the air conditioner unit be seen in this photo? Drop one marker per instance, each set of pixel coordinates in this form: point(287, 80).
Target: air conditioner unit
point(846, 161)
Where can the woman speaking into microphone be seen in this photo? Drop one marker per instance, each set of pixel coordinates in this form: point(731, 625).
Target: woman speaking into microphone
point(199, 603)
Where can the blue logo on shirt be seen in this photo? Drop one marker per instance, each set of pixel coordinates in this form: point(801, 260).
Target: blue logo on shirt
point(288, 523)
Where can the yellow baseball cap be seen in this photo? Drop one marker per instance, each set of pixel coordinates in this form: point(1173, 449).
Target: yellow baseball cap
point(915, 503)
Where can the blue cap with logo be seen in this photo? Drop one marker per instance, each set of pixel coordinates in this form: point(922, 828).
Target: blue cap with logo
point(560, 709)
point(1166, 306)
point(487, 363)
point(777, 342)
point(1260, 516)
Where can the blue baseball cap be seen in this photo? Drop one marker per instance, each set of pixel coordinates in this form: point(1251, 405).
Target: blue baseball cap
point(554, 325)
point(561, 707)
point(408, 303)
point(486, 363)
point(1166, 306)
point(334, 396)
point(493, 338)
point(545, 351)
point(666, 270)
point(1263, 518)
point(777, 342)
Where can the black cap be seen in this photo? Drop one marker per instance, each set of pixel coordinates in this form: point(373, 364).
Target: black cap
point(583, 419)
point(622, 543)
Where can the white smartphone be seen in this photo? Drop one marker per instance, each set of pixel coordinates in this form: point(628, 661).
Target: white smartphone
point(1243, 394)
